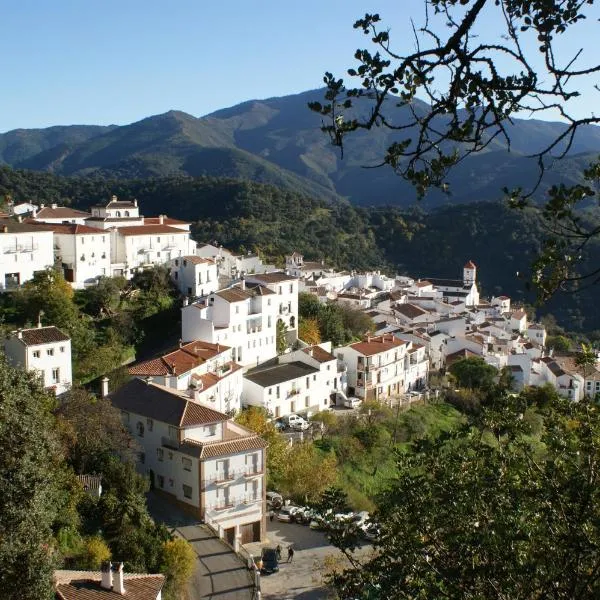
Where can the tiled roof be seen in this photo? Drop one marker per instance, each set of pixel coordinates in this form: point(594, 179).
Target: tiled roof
point(272, 277)
point(61, 212)
point(235, 294)
point(470, 265)
point(68, 228)
point(259, 290)
point(519, 314)
point(41, 335)
point(464, 353)
point(319, 354)
point(375, 345)
point(456, 283)
point(85, 585)
point(279, 373)
point(410, 310)
point(197, 260)
point(162, 404)
point(166, 221)
point(90, 482)
point(241, 444)
point(180, 360)
point(120, 204)
point(421, 284)
point(9, 226)
point(151, 230)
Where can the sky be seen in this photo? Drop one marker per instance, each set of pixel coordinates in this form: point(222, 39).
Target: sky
point(115, 62)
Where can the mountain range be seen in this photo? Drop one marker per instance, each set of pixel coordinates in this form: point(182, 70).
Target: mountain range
point(279, 141)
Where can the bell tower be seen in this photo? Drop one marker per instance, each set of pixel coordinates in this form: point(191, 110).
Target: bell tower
point(469, 273)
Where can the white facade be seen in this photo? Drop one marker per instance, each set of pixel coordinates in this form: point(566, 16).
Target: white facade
point(194, 276)
point(301, 382)
point(24, 250)
point(384, 366)
point(59, 214)
point(243, 317)
point(44, 350)
point(207, 463)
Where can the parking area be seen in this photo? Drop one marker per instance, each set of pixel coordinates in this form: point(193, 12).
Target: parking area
point(303, 577)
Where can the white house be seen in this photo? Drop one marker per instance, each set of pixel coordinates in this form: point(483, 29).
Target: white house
point(518, 320)
point(59, 214)
point(300, 381)
point(464, 290)
point(537, 333)
point(45, 350)
point(198, 457)
point(83, 252)
point(243, 317)
point(383, 366)
point(204, 371)
point(194, 276)
point(286, 289)
point(116, 213)
point(25, 249)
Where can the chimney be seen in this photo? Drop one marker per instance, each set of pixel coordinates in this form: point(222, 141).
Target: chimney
point(161, 219)
point(53, 205)
point(39, 324)
point(119, 586)
point(42, 206)
point(20, 334)
point(135, 202)
point(34, 212)
point(148, 380)
point(218, 349)
point(104, 387)
point(19, 218)
point(310, 351)
point(107, 576)
point(243, 285)
point(113, 198)
point(5, 229)
point(185, 301)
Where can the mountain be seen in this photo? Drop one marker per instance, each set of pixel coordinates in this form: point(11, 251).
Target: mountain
point(279, 141)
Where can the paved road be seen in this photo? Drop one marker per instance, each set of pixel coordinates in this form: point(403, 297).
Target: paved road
point(219, 573)
point(302, 579)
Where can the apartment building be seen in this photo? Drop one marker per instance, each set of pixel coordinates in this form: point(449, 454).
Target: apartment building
point(194, 276)
point(44, 350)
point(198, 458)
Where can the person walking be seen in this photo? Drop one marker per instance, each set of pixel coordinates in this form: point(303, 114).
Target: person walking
point(278, 550)
point(271, 515)
point(290, 554)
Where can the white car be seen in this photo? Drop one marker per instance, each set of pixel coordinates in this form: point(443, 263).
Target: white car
point(351, 402)
point(286, 513)
point(297, 422)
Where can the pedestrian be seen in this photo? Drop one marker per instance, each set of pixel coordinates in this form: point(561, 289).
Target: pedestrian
point(271, 515)
point(290, 554)
point(278, 550)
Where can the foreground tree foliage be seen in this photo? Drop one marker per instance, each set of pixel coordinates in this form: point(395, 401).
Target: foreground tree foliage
point(491, 511)
point(474, 79)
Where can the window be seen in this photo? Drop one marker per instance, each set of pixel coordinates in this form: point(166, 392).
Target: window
point(270, 391)
point(161, 481)
point(212, 430)
point(185, 263)
point(158, 239)
point(187, 491)
point(306, 401)
point(293, 406)
point(172, 433)
point(126, 213)
point(314, 377)
point(160, 454)
point(171, 483)
point(139, 428)
point(187, 464)
point(50, 352)
point(280, 290)
point(150, 424)
point(176, 262)
point(291, 288)
point(237, 310)
point(176, 275)
point(55, 375)
point(62, 348)
point(143, 457)
point(36, 354)
point(277, 390)
point(118, 213)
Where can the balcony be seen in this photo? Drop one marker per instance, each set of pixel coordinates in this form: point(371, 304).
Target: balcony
point(254, 472)
point(168, 442)
point(257, 329)
point(293, 393)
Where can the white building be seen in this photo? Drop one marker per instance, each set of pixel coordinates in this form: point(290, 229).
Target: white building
point(24, 249)
point(204, 371)
point(45, 350)
point(59, 214)
point(194, 276)
point(286, 289)
point(243, 317)
point(384, 366)
point(300, 381)
point(464, 290)
point(198, 457)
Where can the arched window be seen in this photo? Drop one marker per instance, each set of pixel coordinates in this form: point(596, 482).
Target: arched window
point(126, 213)
point(118, 213)
point(140, 428)
point(292, 321)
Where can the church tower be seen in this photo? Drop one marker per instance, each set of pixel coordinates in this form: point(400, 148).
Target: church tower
point(469, 273)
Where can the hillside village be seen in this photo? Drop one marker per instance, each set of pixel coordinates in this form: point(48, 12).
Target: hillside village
point(236, 312)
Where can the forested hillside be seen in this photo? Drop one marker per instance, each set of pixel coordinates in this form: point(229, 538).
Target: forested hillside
point(245, 215)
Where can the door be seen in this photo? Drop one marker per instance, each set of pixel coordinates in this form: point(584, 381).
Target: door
point(250, 532)
point(230, 535)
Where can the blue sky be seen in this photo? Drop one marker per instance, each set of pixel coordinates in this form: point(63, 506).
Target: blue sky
point(93, 62)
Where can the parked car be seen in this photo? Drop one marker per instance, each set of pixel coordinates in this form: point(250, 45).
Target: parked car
point(269, 561)
point(352, 402)
point(274, 500)
point(296, 422)
point(303, 515)
point(286, 513)
point(279, 425)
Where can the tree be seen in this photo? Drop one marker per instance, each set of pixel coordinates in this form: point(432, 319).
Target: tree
point(30, 472)
point(586, 359)
point(94, 554)
point(281, 344)
point(473, 83)
point(308, 331)
point(179, 560)
point(473, 373)
point(488, 512)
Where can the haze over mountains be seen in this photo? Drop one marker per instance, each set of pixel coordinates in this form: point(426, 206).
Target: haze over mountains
point(278, 141)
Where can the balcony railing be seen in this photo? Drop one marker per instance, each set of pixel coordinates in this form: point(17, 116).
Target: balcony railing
point(20, 248)
point(229, 503)
point(223, 478)
point(168, 442)
point(253, 471)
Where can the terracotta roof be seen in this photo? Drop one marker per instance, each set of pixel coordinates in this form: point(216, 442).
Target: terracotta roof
point(85, 585)
point(197, 260)
point(163, 404)
point(61, 212)
point(273, 375)
point(410, 310)
point(90, 482)
point(470, 265)
point(275, 277)
point(460, 354)
point(319, 354)
point(519, 314)
point(241, 444)
point(41, 335)
point(119, 204)
point(455, 283)
point(235, 294)
point(180, 360)
point(259, 290)
point(166, 221)
point(421, 284)
point(375, 345)
point(9, 226)
point(69, 228)
point(151, 230)
point(210, 379)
